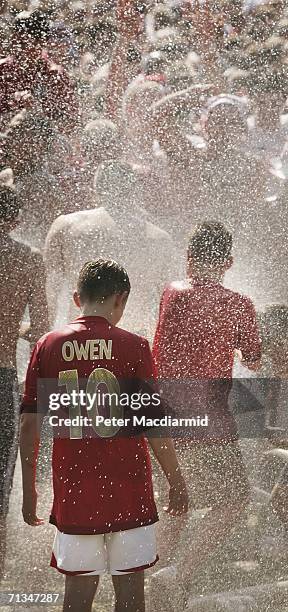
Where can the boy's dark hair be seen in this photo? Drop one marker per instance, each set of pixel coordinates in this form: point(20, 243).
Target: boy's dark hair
point(210, 244)
point(100, 279)
point(9, 205)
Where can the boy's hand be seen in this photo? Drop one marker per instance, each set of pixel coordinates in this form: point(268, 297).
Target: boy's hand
point(178, 499)
point(25, 332)
point(29, 512)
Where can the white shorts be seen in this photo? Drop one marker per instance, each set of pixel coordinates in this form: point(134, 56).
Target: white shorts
point(122, 552)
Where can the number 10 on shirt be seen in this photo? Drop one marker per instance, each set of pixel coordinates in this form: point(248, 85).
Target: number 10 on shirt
point(99, 376)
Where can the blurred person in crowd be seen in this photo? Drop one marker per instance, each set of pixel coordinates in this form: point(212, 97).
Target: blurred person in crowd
point(100, 141)
point(174, 118)
point(23, 284)
point(231, 187)
point(30, 141)
point(29, 137)
point(128, 103)
point(137, 118)
point(130, 24)
point(28, 79)
point(226, 169)
point(49, 172)
point(74, 166)
point(120, 226)
point(139, 142)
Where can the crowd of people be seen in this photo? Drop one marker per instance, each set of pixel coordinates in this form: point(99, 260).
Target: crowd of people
point(189, 99)
point(124, 125)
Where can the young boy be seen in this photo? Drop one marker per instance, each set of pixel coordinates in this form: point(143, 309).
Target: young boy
point(103, 508)
point(201, 325)
point(22, 280)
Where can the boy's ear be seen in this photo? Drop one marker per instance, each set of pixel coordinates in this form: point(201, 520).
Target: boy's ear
point(121, 298)
point(76, 299)
point(125, 296)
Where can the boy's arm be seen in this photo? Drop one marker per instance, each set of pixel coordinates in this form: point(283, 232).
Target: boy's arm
point(164, 451)
point(249, 343)
point(38, 310)
point(37, 304)
point(30, 426)
point(164, 331)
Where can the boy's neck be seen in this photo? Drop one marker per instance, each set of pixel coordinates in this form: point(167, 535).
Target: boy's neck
point(97, 310)
point(205, 273)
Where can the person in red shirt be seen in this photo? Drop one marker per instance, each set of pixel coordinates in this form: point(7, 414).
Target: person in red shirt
point(103, 507)
point(30, 80)
point(201, 325)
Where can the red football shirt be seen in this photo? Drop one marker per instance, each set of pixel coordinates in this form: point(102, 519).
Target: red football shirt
point(100, 485)
point(201, 324)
